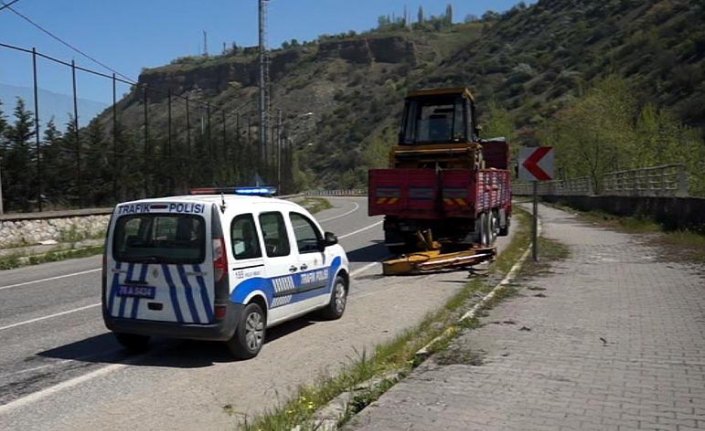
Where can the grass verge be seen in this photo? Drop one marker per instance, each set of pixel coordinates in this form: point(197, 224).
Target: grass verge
point(16, 260)
point(314, 205)
point(397, 357)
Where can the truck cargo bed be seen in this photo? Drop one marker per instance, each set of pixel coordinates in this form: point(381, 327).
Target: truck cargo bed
point(431, 194)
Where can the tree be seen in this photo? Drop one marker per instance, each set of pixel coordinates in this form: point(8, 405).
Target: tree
point(420, 17)
point(17, 163)
point(449, 14)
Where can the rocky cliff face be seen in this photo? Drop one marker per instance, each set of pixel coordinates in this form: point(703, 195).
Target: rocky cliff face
point(213, 76)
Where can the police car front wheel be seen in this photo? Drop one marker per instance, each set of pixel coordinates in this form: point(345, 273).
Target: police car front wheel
point(249, 335)
point(338, 300)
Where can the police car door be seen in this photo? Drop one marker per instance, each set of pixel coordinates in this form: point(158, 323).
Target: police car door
point(311, 259)
point(281, 268)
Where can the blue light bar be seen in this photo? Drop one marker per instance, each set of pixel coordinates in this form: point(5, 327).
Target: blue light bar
point(245, 191)
point(256, 191)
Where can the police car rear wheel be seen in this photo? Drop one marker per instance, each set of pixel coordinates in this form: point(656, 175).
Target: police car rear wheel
point(133, 342)
point(249, 335)
point(338, 300)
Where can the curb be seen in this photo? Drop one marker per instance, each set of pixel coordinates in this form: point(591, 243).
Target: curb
point(423, 353)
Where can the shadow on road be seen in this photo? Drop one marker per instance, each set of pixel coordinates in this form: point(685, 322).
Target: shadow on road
point(371, 253)
point(163, 352)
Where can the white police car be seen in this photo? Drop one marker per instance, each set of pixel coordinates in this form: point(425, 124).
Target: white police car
point(212, 266)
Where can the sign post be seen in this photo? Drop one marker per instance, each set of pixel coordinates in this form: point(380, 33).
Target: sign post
point(536, 164)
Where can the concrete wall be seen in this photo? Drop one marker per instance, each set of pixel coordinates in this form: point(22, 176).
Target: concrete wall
point(671, 213)
point(61, 226)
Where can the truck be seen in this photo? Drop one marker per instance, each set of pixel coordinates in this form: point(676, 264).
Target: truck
point(445, 188)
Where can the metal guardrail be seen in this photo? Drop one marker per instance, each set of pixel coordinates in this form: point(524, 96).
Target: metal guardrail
point(657, 181)
point(344, 192)
point(665, 180)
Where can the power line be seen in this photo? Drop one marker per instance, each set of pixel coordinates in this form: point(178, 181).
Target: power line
point(8, 4)
point(63, 42)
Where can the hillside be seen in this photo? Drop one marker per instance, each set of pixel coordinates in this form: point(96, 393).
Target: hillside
point(532, 61)
point(613, 84)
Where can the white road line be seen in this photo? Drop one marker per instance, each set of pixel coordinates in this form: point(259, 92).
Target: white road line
point(361, 230)
point(357, 207)
point(36, 396)
point(355, 273)
point(58, 277)
point(38, 319)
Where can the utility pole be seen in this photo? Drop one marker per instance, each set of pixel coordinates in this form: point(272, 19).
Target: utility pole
point(205, 43)
point(263, 88)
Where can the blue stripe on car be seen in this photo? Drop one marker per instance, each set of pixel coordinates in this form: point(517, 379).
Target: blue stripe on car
point(136, 301)
point(114, 287)
point(189, 294)
point(172, 293)
point(128, 278)
point(204, 293)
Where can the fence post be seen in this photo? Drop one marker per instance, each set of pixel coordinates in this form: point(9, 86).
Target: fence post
point(79, 180)
point(116, 162)
point(36, 129)
point(147, 150)
point(1, 209)
point(682, 190)
point(188, 144)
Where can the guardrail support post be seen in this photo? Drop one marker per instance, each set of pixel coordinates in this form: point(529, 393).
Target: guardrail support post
point(682, 190)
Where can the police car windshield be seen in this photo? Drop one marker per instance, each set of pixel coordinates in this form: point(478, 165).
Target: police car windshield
point(160, 238)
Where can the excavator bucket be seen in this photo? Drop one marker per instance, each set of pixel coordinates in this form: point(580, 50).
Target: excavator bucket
point(433, 261)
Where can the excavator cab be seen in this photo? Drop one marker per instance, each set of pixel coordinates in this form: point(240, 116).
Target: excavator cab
point(439, 116)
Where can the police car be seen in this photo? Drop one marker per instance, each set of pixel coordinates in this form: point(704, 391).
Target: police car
point(217, 266)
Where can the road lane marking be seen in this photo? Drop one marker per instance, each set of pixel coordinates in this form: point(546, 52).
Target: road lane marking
point(355, 273)
point(357, 207)
point(361, 230)
point(36, 396)
point(58, 277)
point(38, 319)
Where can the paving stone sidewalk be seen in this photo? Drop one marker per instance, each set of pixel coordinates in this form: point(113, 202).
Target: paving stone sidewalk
point(617, 343)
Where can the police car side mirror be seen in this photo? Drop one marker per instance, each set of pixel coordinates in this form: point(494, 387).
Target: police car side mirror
point(329, 239)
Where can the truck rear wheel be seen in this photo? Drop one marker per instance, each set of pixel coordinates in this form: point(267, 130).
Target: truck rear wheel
point(483, 230)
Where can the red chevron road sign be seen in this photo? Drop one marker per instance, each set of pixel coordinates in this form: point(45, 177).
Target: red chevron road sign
point(536, 164)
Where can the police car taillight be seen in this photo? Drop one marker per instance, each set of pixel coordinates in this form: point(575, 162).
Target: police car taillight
point(220, 260)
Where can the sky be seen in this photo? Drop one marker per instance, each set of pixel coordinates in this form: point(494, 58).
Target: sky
point(129, 35)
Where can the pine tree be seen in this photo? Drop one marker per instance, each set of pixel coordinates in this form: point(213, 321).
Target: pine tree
point(420, 17)
point(18, 168)
point(449, 14)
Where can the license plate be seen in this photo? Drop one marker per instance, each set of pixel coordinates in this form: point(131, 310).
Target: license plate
point(136, 291)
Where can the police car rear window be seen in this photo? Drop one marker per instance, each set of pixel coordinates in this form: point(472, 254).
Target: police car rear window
point(160, 238)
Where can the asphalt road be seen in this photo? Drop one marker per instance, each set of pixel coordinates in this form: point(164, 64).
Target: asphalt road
point(61, 369)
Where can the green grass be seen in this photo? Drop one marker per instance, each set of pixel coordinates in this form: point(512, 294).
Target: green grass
point(17, 260)
point(397, 356)
point(315, 205)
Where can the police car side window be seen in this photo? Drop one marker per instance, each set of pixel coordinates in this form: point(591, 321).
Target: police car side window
point(306, 232)
point(276, 240)
point(245, 241)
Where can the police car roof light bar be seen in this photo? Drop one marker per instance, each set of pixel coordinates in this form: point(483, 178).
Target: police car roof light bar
point(246, 191)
